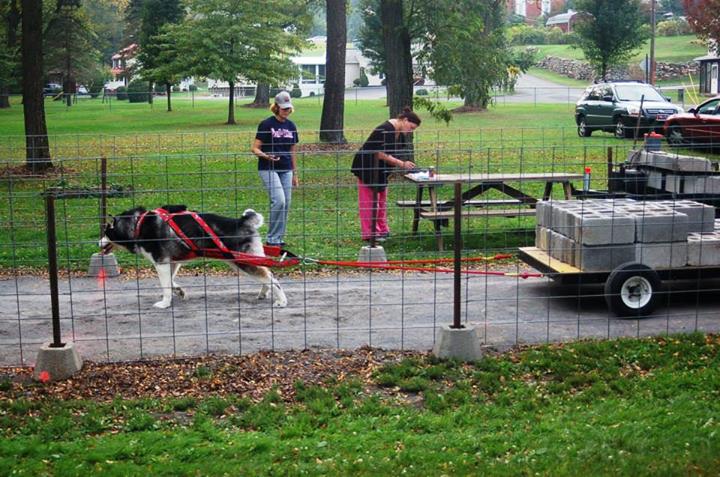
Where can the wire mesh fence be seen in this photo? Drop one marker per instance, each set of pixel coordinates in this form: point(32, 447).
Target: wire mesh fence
point(503, 173)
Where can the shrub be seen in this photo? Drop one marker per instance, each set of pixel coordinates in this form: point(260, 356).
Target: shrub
point(421, 92)
point(554, 36)
point(296, 92)
point(674, 27)
point(121, 93)
point(192, 87)
point(95, 82)
point(364, 81)
point(137, 91)
point(526, 35)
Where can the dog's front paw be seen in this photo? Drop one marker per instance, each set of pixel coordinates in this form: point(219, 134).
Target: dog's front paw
point(264, 292)
point(162, 304)
point(179, 292)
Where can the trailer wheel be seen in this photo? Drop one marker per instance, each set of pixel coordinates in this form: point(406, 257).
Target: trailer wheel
point(631, 290)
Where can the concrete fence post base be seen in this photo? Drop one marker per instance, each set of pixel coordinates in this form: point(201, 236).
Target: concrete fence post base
point(458, 343)
point(372, 254)
point(99, 262)
point(59, 363)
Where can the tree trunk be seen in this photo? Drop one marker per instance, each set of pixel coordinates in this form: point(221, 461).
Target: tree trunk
point(231, 104)
point(168, 92)
point(4, 96)
point(333, 111)
point(37, 149)
point(68, 91)
point(262, 96)
point(398, 59)
point(150, 92)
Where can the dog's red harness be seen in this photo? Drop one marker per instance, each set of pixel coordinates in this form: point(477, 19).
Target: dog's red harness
point(222, 252)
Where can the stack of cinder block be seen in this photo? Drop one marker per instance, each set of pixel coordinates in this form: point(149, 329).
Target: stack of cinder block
point(601, 234)
point(676, 173)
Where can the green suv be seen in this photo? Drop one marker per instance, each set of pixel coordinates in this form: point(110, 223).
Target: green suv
point(615, 107)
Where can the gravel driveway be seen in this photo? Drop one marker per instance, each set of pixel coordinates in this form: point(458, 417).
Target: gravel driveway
point(222, 315)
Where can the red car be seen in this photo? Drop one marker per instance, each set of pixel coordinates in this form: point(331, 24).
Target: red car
point(698, 127)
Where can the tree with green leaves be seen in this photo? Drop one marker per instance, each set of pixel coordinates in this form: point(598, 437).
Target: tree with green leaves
point(133, 22)
point(231, 39)
point(70, 46)
point(466, 47)
point(370, 40)
point(333, 109)
point(106, 20)
point(158, 57)
point(672, 6)
point(609, 31)
point(10, 53)
point(300, 16)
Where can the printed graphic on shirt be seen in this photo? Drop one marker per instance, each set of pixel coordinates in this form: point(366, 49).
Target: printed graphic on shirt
point(281, 133)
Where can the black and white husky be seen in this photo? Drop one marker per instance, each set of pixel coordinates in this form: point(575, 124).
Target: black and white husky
point(147, 234)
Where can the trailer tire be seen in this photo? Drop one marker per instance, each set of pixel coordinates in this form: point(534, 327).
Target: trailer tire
point(632, 290)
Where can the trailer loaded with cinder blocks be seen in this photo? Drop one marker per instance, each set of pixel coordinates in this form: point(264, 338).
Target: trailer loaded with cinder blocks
point(631, 245)
point(661, 174)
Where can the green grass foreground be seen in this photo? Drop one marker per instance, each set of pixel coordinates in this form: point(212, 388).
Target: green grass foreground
point(642, 407)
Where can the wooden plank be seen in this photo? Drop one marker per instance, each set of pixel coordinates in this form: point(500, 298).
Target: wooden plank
point(469, 203)
point(496, 177)
point(449, 214)
point(556, 265)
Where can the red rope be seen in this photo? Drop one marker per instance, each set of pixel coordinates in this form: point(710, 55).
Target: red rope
point(391, 266)
point(499, 256)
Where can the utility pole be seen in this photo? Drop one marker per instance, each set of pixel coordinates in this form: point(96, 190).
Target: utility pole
point(652, 42)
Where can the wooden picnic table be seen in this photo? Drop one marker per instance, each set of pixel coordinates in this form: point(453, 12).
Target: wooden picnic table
point(520, 203)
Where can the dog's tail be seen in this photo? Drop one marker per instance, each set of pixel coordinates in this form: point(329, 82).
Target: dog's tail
point(253, 219)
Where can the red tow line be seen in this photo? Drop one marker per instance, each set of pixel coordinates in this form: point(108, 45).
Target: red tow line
point(288, 259)
point(399, 265)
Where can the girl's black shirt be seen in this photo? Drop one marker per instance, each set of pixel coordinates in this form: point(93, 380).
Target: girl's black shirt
point(369, 169)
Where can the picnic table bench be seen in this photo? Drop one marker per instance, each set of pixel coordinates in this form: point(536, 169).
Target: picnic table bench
point(440, 211)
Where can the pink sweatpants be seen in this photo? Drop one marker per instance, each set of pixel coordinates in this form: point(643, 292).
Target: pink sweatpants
point(365, 205)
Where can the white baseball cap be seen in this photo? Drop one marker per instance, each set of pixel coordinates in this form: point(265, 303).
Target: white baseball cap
point(282, 99)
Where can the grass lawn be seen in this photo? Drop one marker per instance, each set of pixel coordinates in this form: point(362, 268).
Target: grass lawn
point(668, 49)
point(190, 157)
point(642, 407)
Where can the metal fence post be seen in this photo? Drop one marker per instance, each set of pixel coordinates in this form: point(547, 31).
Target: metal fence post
point(458, 256)
point(53, 270)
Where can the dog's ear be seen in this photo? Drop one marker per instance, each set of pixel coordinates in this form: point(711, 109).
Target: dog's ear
point(173, 209)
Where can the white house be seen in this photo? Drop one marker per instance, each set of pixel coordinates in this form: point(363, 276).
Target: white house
point(311, 68)
point(311, 71)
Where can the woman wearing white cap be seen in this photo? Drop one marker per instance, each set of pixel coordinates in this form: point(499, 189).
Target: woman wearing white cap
point(274, 146)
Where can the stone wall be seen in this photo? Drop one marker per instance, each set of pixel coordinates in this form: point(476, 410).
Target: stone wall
point(581, 70)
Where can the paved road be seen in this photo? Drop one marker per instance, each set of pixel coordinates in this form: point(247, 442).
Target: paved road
point(529, 89)
point(222, 314)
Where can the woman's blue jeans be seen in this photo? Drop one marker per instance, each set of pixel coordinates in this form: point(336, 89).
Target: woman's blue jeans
point(279, 187)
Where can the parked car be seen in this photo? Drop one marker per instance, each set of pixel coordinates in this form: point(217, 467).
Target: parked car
point(615, 107)
point(52, 89)
point(699, 127)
